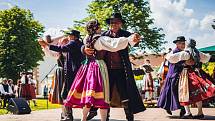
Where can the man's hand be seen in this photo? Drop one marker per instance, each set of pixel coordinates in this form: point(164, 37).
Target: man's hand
point(89, 51)
point(135, 38)
point(64, 41)
point(42, 42)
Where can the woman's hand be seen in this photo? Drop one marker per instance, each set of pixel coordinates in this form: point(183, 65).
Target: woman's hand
point(42, 42)
point(89, 51)
point(190, 62)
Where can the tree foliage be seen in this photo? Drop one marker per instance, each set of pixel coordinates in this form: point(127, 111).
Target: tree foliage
point(19, 49)
point(136, 13)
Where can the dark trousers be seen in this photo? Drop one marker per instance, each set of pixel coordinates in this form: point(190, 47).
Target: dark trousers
point(117, 77)
point(67, 111)
point(6, 98)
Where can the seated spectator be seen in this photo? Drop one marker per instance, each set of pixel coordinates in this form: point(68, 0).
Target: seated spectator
point(6, 92)
point(17, 88)
point(10, 82)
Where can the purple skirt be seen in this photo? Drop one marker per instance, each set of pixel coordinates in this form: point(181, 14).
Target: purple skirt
point(169, 95)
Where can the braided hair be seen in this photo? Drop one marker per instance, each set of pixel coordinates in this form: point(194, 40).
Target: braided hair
point(91, 27)
point(194, 53)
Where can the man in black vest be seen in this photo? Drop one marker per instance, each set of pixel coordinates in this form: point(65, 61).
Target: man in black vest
point(120, 72)
point(6, 91)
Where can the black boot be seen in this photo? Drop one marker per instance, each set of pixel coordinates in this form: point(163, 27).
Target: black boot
point(67, 114)
point(91, 115)
point(129, 114)
point(169, 112)
point(108, 115)
point(182, 112)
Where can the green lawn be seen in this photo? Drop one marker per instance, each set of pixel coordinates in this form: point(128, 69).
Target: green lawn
point(41, 105)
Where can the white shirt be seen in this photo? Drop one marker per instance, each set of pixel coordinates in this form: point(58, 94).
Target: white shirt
point(183, 55)
point(3, 91)
point(111, 44)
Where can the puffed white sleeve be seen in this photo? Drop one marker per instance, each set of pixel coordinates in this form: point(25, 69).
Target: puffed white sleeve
point(111, 44)
point(204, 58)
point(176, 57)
point(50, 53)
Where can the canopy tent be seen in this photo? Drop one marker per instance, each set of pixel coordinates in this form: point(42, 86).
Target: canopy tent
point(210, 49)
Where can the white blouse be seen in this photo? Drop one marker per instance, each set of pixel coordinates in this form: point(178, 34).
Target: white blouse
point(183, 55)
point(111, 44)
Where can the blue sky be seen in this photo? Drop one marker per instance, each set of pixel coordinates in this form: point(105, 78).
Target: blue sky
point(191, 18)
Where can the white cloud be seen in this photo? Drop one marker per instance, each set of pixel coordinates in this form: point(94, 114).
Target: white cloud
point(207, 21)
point(206, 39)
point(194, 23)
point(176, 19)
point(54, 32)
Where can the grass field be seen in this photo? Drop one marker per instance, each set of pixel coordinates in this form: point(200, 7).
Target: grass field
point(41, 105)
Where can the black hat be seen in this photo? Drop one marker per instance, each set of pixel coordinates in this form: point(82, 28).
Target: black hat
point(74, 32)
point(180, 38)
point(115, 16)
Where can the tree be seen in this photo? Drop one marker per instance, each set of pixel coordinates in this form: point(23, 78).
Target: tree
point(136, 14)
point(19, 49)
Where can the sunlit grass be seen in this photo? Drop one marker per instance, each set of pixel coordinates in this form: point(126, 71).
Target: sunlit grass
point(41, 105)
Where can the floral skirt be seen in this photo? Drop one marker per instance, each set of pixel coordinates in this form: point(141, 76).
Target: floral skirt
point(194, 88)
point(90, 86)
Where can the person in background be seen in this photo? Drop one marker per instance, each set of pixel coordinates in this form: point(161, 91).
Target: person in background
point(33, 88)
point(73, 60)
point(163, 70)
point(18, 88)
point(148, 80)
point(25, 92)
point(6, 91)
point(10, 82)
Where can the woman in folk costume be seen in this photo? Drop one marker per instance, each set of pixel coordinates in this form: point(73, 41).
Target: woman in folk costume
point(194, 86)
point(91, 84)
point(168, 99)
point(148, 80)
point(26, 89)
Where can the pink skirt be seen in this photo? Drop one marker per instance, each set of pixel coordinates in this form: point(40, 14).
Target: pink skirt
point(87, 88)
